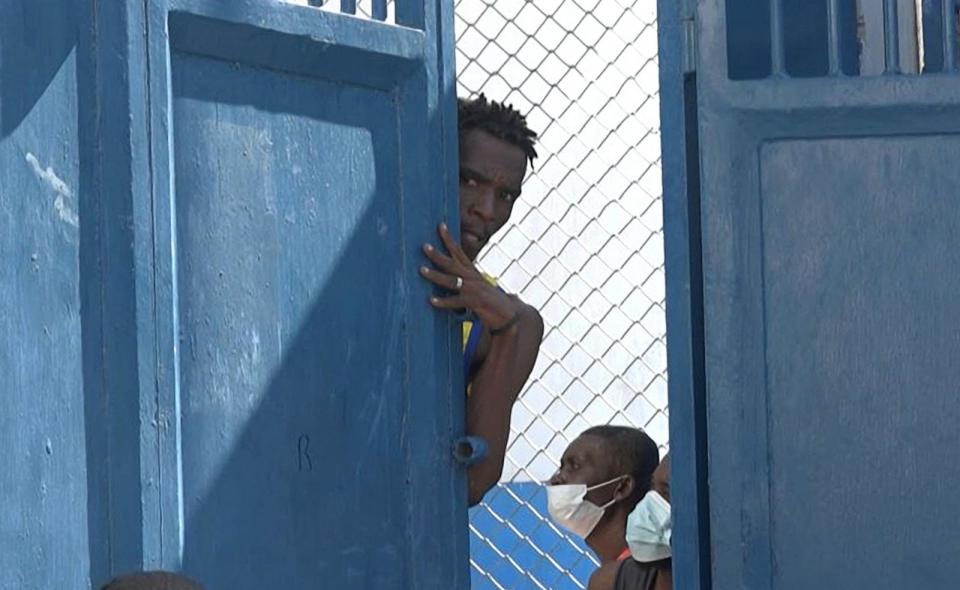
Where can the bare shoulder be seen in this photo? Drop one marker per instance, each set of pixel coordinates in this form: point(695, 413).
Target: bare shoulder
point(605, 577)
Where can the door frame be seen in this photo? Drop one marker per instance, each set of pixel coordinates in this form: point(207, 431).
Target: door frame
point(684, 293)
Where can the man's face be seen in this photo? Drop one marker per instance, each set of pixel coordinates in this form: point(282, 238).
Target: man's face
point(588, 461)
point(660, 482)
point(491, 172)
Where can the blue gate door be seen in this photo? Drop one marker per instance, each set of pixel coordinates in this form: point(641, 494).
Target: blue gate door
point(304, 385)
point(216, 353)
point(830, 248)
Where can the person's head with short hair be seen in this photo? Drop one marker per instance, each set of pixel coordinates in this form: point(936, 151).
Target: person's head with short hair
point(622, 458)
point(152, 581)
point(495, 146)
point(660, 482)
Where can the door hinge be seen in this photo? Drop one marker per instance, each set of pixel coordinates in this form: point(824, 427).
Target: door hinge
point(689, 27)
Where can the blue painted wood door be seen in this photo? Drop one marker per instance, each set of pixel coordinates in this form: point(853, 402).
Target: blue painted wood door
point(250, 385)
point(817, 219)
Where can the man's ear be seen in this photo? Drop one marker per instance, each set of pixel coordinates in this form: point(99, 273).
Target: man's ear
point(625, 488)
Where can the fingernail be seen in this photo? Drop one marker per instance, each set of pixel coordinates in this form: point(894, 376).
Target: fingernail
point(424, 270)
point(428, 247)
point(443, 226)
point(434, 300)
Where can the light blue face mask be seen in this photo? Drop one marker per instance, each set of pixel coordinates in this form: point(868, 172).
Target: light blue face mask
point(648, 529)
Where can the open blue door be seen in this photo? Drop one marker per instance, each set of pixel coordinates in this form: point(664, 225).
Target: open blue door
point(216, 353)
point(815, 407)
point(299, 160)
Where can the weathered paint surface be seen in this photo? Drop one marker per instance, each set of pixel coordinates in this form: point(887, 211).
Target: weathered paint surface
point(829, 238)
point(290, 289)
point(216, 352)
point(862, 335)
point(43, 539)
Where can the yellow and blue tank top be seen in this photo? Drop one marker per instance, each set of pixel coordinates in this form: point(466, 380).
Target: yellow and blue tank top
point(472, 331)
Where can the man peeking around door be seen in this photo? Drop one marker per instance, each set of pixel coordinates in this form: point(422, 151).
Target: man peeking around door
point(502, 338)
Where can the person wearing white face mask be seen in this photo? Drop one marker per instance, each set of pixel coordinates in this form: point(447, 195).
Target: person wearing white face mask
point(649, 529)
point(603, 474)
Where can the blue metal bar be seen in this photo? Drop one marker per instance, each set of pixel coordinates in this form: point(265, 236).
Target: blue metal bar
point(379, 10)
point(949, 35)
point(348, 6)
point(833, 36)
point(932, 21)
point(891, 37)
point(777, 49)
point(410, 13)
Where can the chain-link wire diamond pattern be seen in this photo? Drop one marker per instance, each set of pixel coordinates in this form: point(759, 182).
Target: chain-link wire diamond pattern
point(584, 245)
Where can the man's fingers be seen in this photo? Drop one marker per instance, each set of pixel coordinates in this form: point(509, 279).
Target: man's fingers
point(439, 259)
point(451, 245)
point(452, 302)
point(442, 280)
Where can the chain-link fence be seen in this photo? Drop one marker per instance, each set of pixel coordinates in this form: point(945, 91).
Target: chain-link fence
point(584, 245)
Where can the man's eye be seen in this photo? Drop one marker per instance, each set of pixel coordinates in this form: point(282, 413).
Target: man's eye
point(468, 181)
point(509, 198)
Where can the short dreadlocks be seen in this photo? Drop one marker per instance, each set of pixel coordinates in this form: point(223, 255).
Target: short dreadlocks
point(498, 119)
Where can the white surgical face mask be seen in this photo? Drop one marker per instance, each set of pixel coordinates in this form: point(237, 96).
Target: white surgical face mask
point(569, 509)
point(648, 529)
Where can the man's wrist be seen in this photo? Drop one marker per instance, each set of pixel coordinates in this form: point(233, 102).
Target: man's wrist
point(508, 309)
point(504, 328)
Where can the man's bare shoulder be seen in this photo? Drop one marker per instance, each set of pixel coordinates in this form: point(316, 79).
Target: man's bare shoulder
point(605, 577)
